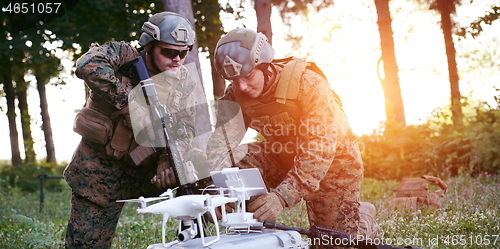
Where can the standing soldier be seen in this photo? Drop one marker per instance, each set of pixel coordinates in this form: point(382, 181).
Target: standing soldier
point(104, 167)
point(310, 152)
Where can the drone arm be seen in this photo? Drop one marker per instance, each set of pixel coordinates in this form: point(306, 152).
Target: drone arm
point(223, 213)
point(163, 227)
point(243, 206)
point(212, 212)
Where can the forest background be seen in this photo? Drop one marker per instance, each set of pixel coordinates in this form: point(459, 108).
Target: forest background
point(398, 102)
point(397, 65)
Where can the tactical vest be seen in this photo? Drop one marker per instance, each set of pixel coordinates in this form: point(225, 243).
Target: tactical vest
point(278, 121)
point(100, 122)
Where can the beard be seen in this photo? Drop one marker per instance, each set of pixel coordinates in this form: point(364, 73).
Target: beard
point(174, 70)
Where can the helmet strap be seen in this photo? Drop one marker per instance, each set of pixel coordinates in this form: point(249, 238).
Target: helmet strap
point(152, 58)
point(264, 67)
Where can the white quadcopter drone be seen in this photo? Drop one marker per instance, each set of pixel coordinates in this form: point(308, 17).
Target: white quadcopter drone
point(234, 186)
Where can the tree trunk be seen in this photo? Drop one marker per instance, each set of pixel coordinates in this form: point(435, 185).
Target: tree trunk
point(263, 12)
point(192, 62)
point(394, 108)
point(22, 89)
point(456, 108)
point(10, 96)
point(46, 125)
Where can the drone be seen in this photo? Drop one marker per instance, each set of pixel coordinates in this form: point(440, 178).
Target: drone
point(233, 185)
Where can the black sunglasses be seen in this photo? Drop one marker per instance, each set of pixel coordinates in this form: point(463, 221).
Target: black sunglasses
point(172, 53)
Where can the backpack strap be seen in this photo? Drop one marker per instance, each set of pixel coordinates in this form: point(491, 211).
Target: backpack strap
point(289, 82)
point(438, 182)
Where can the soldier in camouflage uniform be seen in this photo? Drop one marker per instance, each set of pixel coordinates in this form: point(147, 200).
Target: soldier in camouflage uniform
point(309, 152)
point(100, 172)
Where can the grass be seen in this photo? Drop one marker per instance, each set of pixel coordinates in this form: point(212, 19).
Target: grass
point(468, 217)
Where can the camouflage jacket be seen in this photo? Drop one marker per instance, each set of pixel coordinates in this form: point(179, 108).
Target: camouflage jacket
point(321, 141)
point(99, 68)
point(92, 173)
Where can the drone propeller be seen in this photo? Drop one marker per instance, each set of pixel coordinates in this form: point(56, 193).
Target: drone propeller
point(168, 193)
point(220, 200)
point(235, 189)
point(146, 200)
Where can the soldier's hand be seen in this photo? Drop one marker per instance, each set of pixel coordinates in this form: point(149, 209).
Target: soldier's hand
point(230, 207)
point(267, 207)
point(165, 177)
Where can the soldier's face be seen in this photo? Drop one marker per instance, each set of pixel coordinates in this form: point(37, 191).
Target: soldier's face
point(251, 84)
point(168, 57)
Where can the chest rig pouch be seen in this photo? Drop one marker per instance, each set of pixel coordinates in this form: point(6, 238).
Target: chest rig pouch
point(101, 123)
point(93, 125)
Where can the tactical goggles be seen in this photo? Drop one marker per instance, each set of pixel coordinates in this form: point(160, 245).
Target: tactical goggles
point(172, 53)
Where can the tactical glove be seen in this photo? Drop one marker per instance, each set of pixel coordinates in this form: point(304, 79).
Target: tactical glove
point(267, 207)
point(165, 177)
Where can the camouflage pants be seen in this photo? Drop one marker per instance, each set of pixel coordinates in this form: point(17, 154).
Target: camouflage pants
point(335, 206)
point(91, 225)
point(97, 182)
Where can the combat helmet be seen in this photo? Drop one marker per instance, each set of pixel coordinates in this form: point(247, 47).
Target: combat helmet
point(167, 27)
point(240, 51)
